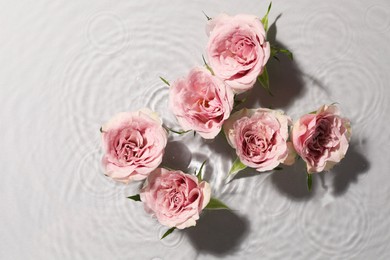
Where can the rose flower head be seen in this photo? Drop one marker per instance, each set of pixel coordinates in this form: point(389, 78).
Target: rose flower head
point(237, 49)
point(259, 137)
point(134, 144)
point(201, 102)
point(321, 138)
point(176, 199)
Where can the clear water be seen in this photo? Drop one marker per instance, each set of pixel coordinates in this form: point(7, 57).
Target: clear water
point(68, 66)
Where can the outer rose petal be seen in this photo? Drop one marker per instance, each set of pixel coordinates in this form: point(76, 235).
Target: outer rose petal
point(206, 190)
point(228, 125)
point(290, 159)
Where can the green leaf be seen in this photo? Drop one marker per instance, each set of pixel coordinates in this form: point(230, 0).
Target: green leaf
point(216, 204)
point(169, 231)
point(101, 129)
point(309, 181)
point(208, 17)
point(238, 102)
point(264, 21)
point(278, 168)
point(199, 174)
point(135, 197)
point(264, 80)
point(207, 66)
point(236, 167)
point(165, 81)
point(287, 52)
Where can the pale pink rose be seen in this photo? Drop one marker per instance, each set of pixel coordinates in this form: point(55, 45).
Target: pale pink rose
point(201, 102)
point(176, 199)
point(237, 49)
point(134, 144)
point(322, 138)
point(259, 137)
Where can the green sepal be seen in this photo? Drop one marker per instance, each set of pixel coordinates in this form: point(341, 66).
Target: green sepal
point(169, 231)
point(309, 181)
point(208, 17)
point(216, 204)
point(207, 66)
point(236, 167)
point(165, 81)
point(264, 20)
point(276, 50)
point(179, 132)
point(101, 129)
point(199, 174)
point(264, 80)
point(136, 197)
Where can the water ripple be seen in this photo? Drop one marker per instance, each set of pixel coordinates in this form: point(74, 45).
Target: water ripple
point(336, 227)
point(107, 33)
point(270, 201)
point(323, 27)
point(91, 179)
point(377, 18)
point(350, 80)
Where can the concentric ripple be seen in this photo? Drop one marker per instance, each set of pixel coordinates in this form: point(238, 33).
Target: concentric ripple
point(95, 88)
point(91, 179)
point(107, 33)
point(323, 28)
point(270, 201)
point(173, 240)
point(335, 227)
point(350, 80)
point(158, 100)
point(377, 18)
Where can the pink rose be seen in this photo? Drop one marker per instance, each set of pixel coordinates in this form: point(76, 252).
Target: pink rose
point(321, 139)
point(201, 102)
point(259, 137)
point(176, 199)
point(134, 144)
point(237, 49)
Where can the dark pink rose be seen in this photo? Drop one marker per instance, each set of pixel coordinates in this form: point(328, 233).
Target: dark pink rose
point(322, 138)
point(134, 144)
point(176, 199)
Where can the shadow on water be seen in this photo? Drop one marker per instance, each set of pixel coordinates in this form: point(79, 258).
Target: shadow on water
point(291, 181)
point(208, 168)
point(177, 156)
point(285, 77)
point(348, 171)
point(218, 232)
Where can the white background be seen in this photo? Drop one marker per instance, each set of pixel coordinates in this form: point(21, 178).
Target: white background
point(66, 67)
